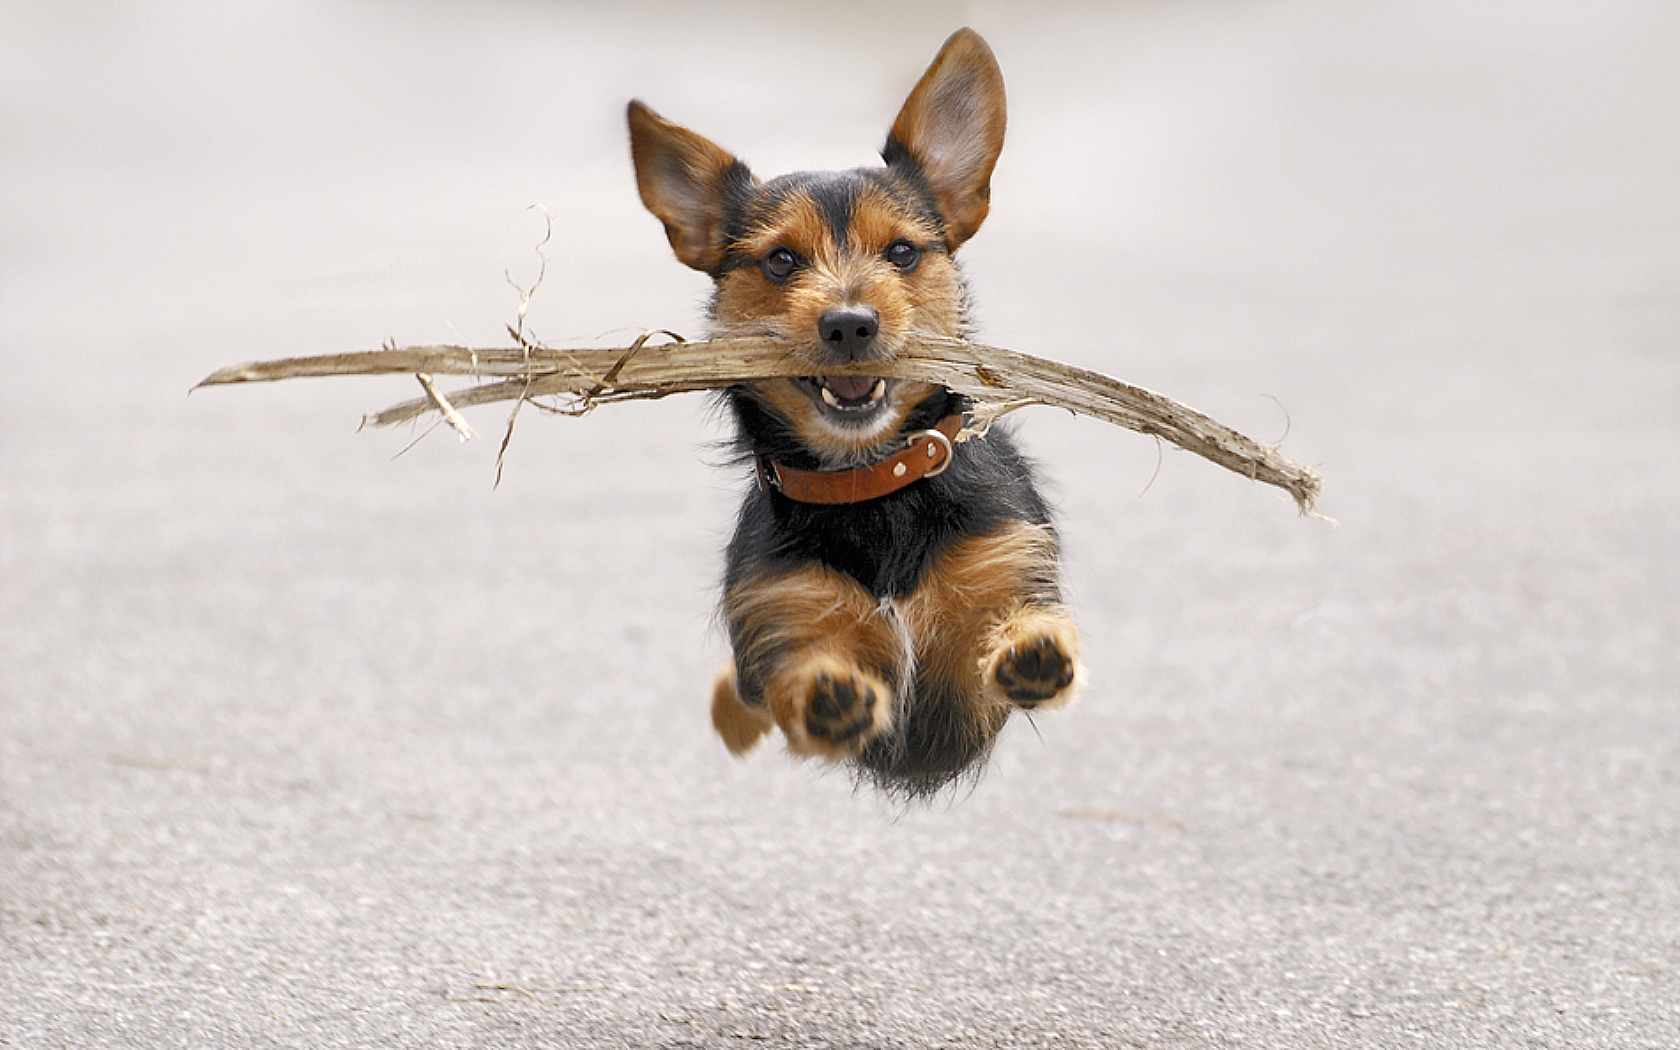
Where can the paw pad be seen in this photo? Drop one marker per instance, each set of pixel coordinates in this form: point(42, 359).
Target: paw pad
point(841, 708)
point(1034, 671)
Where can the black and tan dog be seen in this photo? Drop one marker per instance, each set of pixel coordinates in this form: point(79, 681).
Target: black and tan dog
point(891, 597)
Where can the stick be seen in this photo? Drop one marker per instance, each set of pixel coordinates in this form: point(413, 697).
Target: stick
point(999, 380)
point(444, 408)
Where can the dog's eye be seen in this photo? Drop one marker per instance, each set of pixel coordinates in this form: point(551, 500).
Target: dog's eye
point(779, 265)
point(903, 255)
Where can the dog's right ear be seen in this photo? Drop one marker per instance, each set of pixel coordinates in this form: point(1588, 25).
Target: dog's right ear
point(688, 182)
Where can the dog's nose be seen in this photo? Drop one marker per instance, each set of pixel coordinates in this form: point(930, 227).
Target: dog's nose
point(848, 330)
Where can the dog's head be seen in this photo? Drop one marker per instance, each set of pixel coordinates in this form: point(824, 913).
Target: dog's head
point(839, 266)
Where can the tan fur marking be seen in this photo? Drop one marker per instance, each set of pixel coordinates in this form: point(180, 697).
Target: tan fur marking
point(740, 726)
point(979, 599)
point(803, 624)
point(878, 220)
point(798, 224)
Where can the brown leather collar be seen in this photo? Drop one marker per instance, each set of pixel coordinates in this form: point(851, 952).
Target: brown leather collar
point(927, 453)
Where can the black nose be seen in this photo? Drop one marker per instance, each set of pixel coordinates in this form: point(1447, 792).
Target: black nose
point(848, 330)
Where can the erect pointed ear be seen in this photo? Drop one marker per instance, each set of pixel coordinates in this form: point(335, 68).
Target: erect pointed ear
point(951, 131)
point(688, 182)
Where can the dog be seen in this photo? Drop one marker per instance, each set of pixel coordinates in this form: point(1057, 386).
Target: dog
point(891, 594)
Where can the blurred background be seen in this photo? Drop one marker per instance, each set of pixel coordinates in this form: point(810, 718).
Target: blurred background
point(311, 740)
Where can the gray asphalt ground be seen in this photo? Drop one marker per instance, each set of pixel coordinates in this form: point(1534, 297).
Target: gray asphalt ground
point(306, 744)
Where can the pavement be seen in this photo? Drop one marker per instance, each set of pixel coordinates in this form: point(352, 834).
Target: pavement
point(310, 741)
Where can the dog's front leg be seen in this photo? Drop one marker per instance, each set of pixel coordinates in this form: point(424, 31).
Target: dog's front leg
point(992, 627)
point(814, 655)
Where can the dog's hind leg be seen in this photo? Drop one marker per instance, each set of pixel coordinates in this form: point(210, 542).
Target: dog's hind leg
point(739, 724)
point(815, 654)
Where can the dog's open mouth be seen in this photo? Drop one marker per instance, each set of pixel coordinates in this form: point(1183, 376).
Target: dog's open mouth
point(849, 397)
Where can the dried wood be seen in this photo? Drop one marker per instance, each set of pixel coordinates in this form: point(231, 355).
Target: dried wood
point(998, 380)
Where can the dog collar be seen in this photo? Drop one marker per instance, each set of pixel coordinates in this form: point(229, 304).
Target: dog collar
point(926, 453)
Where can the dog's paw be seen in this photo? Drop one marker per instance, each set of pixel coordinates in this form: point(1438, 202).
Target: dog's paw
point(832, 709)
point(1035, 662)
point(1034, 671)
point(842, 707)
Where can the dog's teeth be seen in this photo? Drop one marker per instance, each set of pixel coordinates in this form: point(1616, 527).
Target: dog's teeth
point(829, 396)
point(878, 391)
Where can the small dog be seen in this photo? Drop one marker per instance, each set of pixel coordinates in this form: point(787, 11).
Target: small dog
point(890, 596)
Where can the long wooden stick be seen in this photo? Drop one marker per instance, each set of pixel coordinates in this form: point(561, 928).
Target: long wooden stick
point(999, 380)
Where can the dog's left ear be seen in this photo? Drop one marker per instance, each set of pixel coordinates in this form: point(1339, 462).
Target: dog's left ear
point(951, 132)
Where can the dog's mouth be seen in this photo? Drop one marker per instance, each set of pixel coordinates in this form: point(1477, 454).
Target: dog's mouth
point(849, 397)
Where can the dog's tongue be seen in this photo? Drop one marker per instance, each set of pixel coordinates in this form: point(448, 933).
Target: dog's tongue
point(850, 388)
